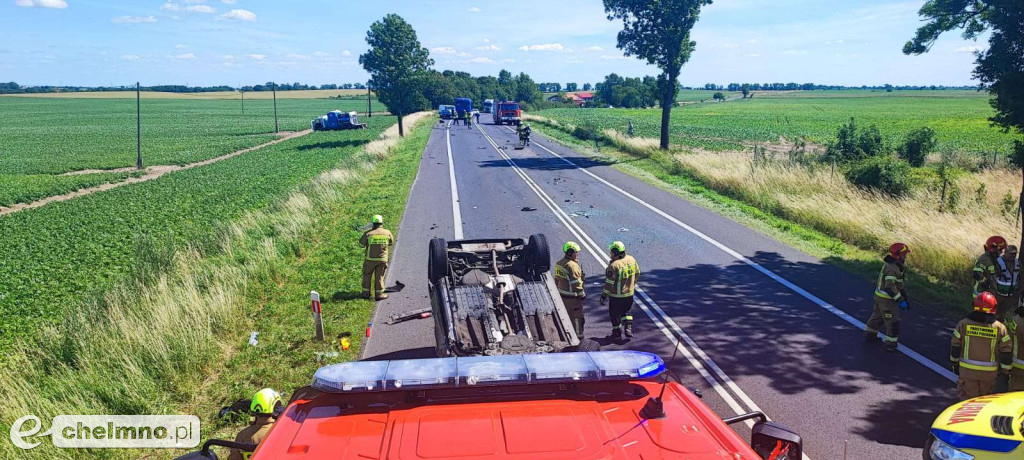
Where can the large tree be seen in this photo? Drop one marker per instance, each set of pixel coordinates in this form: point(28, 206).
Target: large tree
point(397, 65)
point(658, 31)
point(1000, 68)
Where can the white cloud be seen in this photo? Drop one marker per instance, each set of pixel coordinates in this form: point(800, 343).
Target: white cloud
point(489, 48)
point(573, 60)
point(464, 54)
point(185, 56)
point(474, 10)
point(487, 40)
point(793, 52)
point(508, 61)
point(969, 49)
point(239, 15)
point(612, 57)
point(298, 56)
point(752, 41)
point(207, 9)
point(179, 46)
point(258, 57)
point(751, 55)
point(544, 47)
point(59, 4)
point(227, 57)
point(170, 6)
point(346, 53)
point(731, 45)
point(320, 54)
point(480, 60)
point(835, 42)
point(443, 50)
point(132, 19)
point(593, 48)
point(229, 2)
point(131, 57)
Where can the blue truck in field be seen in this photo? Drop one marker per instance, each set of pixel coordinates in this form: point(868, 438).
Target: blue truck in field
point(337, 120)
point(463, 105)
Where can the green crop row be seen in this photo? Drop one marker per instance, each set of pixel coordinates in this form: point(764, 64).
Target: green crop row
point(960, 119)
point(62, 254)
point(24, 188)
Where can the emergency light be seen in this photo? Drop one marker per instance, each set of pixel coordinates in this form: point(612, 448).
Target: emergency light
point(404, 374)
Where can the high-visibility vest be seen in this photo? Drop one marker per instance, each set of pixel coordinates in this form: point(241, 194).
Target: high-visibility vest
point(980, 345)
point(1007, 277)
point(620, 277)
point(569, 278)
point(891, 275)
point(986, 267)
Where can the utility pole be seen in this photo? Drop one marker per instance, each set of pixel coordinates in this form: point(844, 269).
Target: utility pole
point(243, 101)
point(273, 86)
point(138, 126)
point(369, 108)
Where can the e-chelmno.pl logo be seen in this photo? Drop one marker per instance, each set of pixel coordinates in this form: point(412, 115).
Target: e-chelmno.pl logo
point(109, 431)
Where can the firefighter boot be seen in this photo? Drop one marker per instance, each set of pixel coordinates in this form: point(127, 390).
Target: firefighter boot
point(628, 325)
point(616, 334)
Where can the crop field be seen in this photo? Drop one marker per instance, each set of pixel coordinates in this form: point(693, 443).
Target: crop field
point(297, 94)
point(56, 256)
point(45, 137)
point(960, 119)
point(697, 95)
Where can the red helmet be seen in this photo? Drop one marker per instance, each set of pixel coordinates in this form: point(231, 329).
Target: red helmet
point(898, 250)
point(995, 243)
point(985, 302)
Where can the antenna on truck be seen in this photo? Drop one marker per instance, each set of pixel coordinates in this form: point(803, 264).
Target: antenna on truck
point(655, 407)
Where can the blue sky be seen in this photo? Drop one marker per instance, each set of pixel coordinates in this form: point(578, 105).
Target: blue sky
point(233, 42)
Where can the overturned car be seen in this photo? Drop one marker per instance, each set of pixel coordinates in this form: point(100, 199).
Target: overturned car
point(495, 297)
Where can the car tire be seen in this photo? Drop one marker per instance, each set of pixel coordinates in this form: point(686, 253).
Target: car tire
point(538, 253)
point(437, 260)
point(925, 453)
point(588, 345)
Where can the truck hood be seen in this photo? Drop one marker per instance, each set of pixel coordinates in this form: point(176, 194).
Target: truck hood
point(990, 423)
point(598, 420)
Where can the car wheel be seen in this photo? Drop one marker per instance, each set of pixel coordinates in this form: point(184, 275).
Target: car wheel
point(437, 260)
point(539, 256)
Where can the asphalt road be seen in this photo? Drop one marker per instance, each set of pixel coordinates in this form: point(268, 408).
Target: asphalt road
point(757, 324)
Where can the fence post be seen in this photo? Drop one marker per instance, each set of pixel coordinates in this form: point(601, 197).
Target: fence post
point(318, 322)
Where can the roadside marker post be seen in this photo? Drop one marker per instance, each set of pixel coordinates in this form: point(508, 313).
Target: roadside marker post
point(318, 321)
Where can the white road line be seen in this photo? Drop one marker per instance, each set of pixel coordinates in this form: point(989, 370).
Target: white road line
point(594, 249)
point(941, 370)
point(456, 210)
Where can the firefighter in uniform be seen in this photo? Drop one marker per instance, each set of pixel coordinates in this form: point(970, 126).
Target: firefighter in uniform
point(569, 281)
point(264, 405)
point(1016, 326)
point(981, 351)
point(890, 298)
point(985, 268)
point(619, 284)
point(377, 240)
point(1007, 283)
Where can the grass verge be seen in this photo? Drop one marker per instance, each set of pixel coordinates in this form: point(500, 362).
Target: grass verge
point(175, 340)
point(668, 173)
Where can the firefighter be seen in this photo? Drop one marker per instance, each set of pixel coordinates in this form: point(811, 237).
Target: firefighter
point(526, 134)
point(890, 298)
point(1016, 326)
point(264, 406)
point(1007, 283)
point(469, 120)
point(981, 351)
point(985, 268)
point(477, 115)
point(569, 281)
point(619, 284)
point(377, 240)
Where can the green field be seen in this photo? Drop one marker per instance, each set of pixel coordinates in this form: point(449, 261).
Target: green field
point(44, 137)
point(57, 256)
point(698, 95)
point(960, 119)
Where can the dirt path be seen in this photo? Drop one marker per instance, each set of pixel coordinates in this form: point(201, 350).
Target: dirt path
point(151, 173)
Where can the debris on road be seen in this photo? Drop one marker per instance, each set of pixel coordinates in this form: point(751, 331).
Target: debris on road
point(623, 229)
point(528, 209)
point(409, 315)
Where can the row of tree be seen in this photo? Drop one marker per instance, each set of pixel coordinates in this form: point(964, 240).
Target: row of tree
point(14, 88)
point(443, 87)
point(816, 87)
point(557, 87)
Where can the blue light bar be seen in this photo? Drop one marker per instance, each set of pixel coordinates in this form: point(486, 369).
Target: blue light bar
point(406, 374)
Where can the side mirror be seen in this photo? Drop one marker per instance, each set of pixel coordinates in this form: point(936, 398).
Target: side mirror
point(773, 441)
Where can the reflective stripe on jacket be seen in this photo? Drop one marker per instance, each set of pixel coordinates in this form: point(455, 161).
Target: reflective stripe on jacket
point(620, 277)
point(569, 278)
point(890, 279)
point(980, 345)
point(1006, 276)
point(377, 242)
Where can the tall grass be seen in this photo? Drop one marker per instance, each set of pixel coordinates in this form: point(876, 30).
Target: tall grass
point(943, 244)
point(148, 346)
